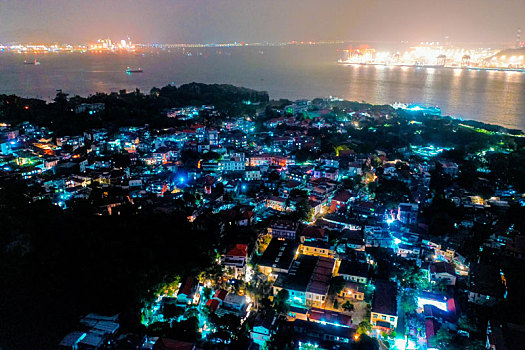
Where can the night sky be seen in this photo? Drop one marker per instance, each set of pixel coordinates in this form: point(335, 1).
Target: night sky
point(206, 21)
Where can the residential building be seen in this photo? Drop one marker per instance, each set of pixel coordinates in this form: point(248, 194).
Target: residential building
point(353, 239)
point(187, 292)
point(90, 108)
point(353, 271)
point(278, 257)
point(212, 136)
point(252, 173)
point(384, 306)
point(276, 203)
point(324, 335)
point(300, 106)
point(340, 201)
point(353, 291)
point(443, 272)
point(408, 251)
point(504, 335)
point(329, 316)
point(307, 282)
point(71, 341)
point(234, 304)
point(172, 344)
point(486, 285)
point(450, 168)
point(262, 328)
point(317, 248)
point(286, 229)
point(313, 233)
point(326, 172)
point(407, 213)
point(235, 259)
point(379, 237)
point(233, 162)
point(97, 330)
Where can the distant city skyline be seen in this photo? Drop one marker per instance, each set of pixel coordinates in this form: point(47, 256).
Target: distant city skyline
point(214, 21)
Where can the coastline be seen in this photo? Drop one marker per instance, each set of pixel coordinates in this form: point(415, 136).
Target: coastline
point(285, 72)
point(493, 69)
point(475, 125)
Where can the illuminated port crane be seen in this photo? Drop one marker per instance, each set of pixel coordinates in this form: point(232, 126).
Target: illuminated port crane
point(441, 60)
point(465, 61)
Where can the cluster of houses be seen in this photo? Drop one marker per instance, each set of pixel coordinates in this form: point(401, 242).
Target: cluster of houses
point(246, 176)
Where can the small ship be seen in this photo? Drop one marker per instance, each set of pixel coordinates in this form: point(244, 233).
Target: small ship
point(33, 63)
point(137, 70)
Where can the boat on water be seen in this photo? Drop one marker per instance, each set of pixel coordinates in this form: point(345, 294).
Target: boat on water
point(134, 70)
point(431, 110)
point(33, 63)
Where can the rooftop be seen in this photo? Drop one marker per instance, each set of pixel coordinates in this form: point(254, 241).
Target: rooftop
point(486, 279)
point(93, 340)
point(442, 267)
point(313, 232)
point(187, 285)
point(308, 273)
point(72, 339)
point(307, 328)
point(299, 275)
point(235, 299)
point(172, 344)
point(350, 268)
point(284, 225)
point(240, 250)
point(220, 294)
point(279, 254)
point(385, 298)
point(321, 315)
point(213, 304)
point(342, 196)
point(265, 319)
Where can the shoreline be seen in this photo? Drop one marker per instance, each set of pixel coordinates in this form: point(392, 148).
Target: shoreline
point(488, 127)
point(488, 69)
point(318, 74)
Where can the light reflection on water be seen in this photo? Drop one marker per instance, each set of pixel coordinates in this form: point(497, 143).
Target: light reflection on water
point(289, 72)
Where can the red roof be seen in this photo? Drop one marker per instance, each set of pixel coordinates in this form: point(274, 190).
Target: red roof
point(342, 196)
point(213, 304)
point(187, 286)
point(313, 232)
point(172, 344)
point(220, 294)
point(209, 180)
point(442, 267)
point(451, 305)
point(430, 328)
point(248, 214)
point(345, 152)
point(238, 250)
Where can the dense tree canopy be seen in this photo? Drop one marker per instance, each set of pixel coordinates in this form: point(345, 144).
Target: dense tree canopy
point(73, 263)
